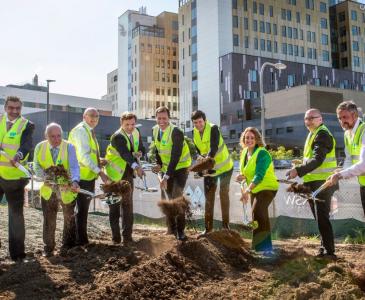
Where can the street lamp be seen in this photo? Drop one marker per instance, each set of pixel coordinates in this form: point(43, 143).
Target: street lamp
point(48, 82)
point(279, 66)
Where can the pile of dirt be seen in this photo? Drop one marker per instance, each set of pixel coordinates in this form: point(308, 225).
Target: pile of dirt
point(118, 188)
point(177, 271)
point(174, 207)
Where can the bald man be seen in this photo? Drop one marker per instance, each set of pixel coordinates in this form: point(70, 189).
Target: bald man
point(51, 152)
point(88, 154)
point(319, 161)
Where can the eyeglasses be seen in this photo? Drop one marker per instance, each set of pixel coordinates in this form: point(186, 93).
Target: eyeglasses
point(311, 118)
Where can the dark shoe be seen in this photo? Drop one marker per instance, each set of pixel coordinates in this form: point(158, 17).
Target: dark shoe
point(47, 253)
point(330, 256)
point(128, 242)
point(181, 236)
point(225, 227)
point(116, 243)
point(320, 252)
point(204, 233)
point(63, 251)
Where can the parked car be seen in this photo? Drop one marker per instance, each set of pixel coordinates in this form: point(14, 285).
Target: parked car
point(282, 163)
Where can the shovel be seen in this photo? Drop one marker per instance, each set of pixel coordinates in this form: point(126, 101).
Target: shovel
point(145, 188)
point(164, 190)
point(315, 194)
point(17, 165)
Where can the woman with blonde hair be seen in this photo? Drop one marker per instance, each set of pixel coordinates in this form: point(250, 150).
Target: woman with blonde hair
point(257, 169)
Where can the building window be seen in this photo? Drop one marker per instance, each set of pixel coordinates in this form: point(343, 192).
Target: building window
point(289, 129)
point(342, 31)
point(295, 33)
point(308, 19)
point(279, 130)
point(268, 45)
point(309, 4)
point(234, 22)
point(355, 30)
point(356, 61)
point(310, 53)
point(236, 40)
point(309, 36)
point(275, 29)
point(302, 54)
point(283, 14)
point(174, 78)
point(245, 5)
point(271, 11)
point(283, 31)
point(254, 7)
point(288, 15)
point(323, 23)
point(344, 62)
point(261, 9)
point(157, 91)
point(252, 75)
point(247, 42)
point(343, 47)
point(297, 16)
point(254, 25)
point(256, 43)
point(341, 16)
point(296, 50)
point(262, 27)
point(325, 55)
point(290, 49)
point(291, 80)
point(354, 15)
point(355, 46)
point(234, 4)
point(290, 32)
point(268, 28)
point(275, 47)
point(175, 25)
point(324, 39)
point(262, 45)
point(284, 48)
point(245, 23)
point(268, 131)
point(323, 7)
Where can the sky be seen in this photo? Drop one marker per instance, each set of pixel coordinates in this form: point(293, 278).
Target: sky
point(74, 42)
point(71, 41)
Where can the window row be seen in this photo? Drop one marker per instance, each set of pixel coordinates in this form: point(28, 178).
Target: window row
point(158, 49)
point(161, 91)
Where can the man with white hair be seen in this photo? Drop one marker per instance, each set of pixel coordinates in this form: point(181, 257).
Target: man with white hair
point(87, 150)
point(52, 152)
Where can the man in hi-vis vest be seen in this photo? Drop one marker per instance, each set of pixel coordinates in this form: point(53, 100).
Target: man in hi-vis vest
point(87, 150)
point(209, 143)
point(52, 152)
point(122, 155)
point(354, 127)
point(16, 141)
point(319, 162)
point(173, 159)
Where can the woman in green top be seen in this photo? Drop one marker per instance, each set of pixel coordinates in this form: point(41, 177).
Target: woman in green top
point(257, 169)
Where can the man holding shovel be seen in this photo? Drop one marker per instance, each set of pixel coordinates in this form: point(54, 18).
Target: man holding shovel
point(122, 156)
point(209, 143)
point(319, 161)
point(173, 160)
point(348, 117)
point(57, 152)
point(15, 143)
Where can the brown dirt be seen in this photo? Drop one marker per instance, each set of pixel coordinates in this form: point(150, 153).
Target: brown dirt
point(118, 188)
point(174, 207)
point(299, 188)
point(204, 164)
point(156, 266)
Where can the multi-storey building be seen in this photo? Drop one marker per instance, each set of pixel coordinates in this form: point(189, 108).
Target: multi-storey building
point(236, 37)
point(348, 35)
point(112, 88)
point(148, 67)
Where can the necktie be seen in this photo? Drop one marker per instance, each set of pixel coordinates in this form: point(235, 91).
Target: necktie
point(8, 125)
point(160, 135)
point(97, 148)
point(54, 152)
point(132, 142)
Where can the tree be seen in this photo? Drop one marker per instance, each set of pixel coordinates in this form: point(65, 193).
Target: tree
point(281, 153)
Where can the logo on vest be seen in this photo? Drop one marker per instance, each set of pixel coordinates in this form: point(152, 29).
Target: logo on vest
point(12, 134)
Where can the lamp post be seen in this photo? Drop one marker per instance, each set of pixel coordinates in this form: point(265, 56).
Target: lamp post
point(279, 66)
point(47, 115)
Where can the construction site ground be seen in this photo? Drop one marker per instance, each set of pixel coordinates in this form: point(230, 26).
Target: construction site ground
point(156, 266)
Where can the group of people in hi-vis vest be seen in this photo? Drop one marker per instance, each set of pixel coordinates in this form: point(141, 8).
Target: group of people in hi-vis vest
point(80, 156)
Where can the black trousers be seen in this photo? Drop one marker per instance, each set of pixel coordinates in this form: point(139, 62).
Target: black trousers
point(210, 187)
point(323, 211)
point(50, 209)
point(82, 211)
point(362, 196)
point(122, 209)
point(14, 193)
point(261, 236)
point(175, 188)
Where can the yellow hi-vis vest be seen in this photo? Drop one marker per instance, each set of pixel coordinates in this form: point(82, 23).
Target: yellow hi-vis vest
point(10, 143)
point(45, 161)
point(223, 161)
point(116, 164)
point(328, 165)
point(85, 172)
point(164, 148)
point(269, 182)
point(353, 147)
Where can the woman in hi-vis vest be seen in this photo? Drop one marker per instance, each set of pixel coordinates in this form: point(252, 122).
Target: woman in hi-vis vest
point(257, 169)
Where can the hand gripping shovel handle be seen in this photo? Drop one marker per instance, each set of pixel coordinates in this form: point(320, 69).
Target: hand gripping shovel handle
point(163, 190)
point(17, 165)
point(320, 189)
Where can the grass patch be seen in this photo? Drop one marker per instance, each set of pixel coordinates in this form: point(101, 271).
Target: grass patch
point(357, 238)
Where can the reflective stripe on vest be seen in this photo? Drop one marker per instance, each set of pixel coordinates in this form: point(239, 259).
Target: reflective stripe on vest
point(45, 160)
point(164, 148)
point(353, 146)
point(223, 161)
point(269, 182)
point(328, 165)
point(10, 143)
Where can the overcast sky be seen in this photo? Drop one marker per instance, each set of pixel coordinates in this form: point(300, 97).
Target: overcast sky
point(71, 41)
